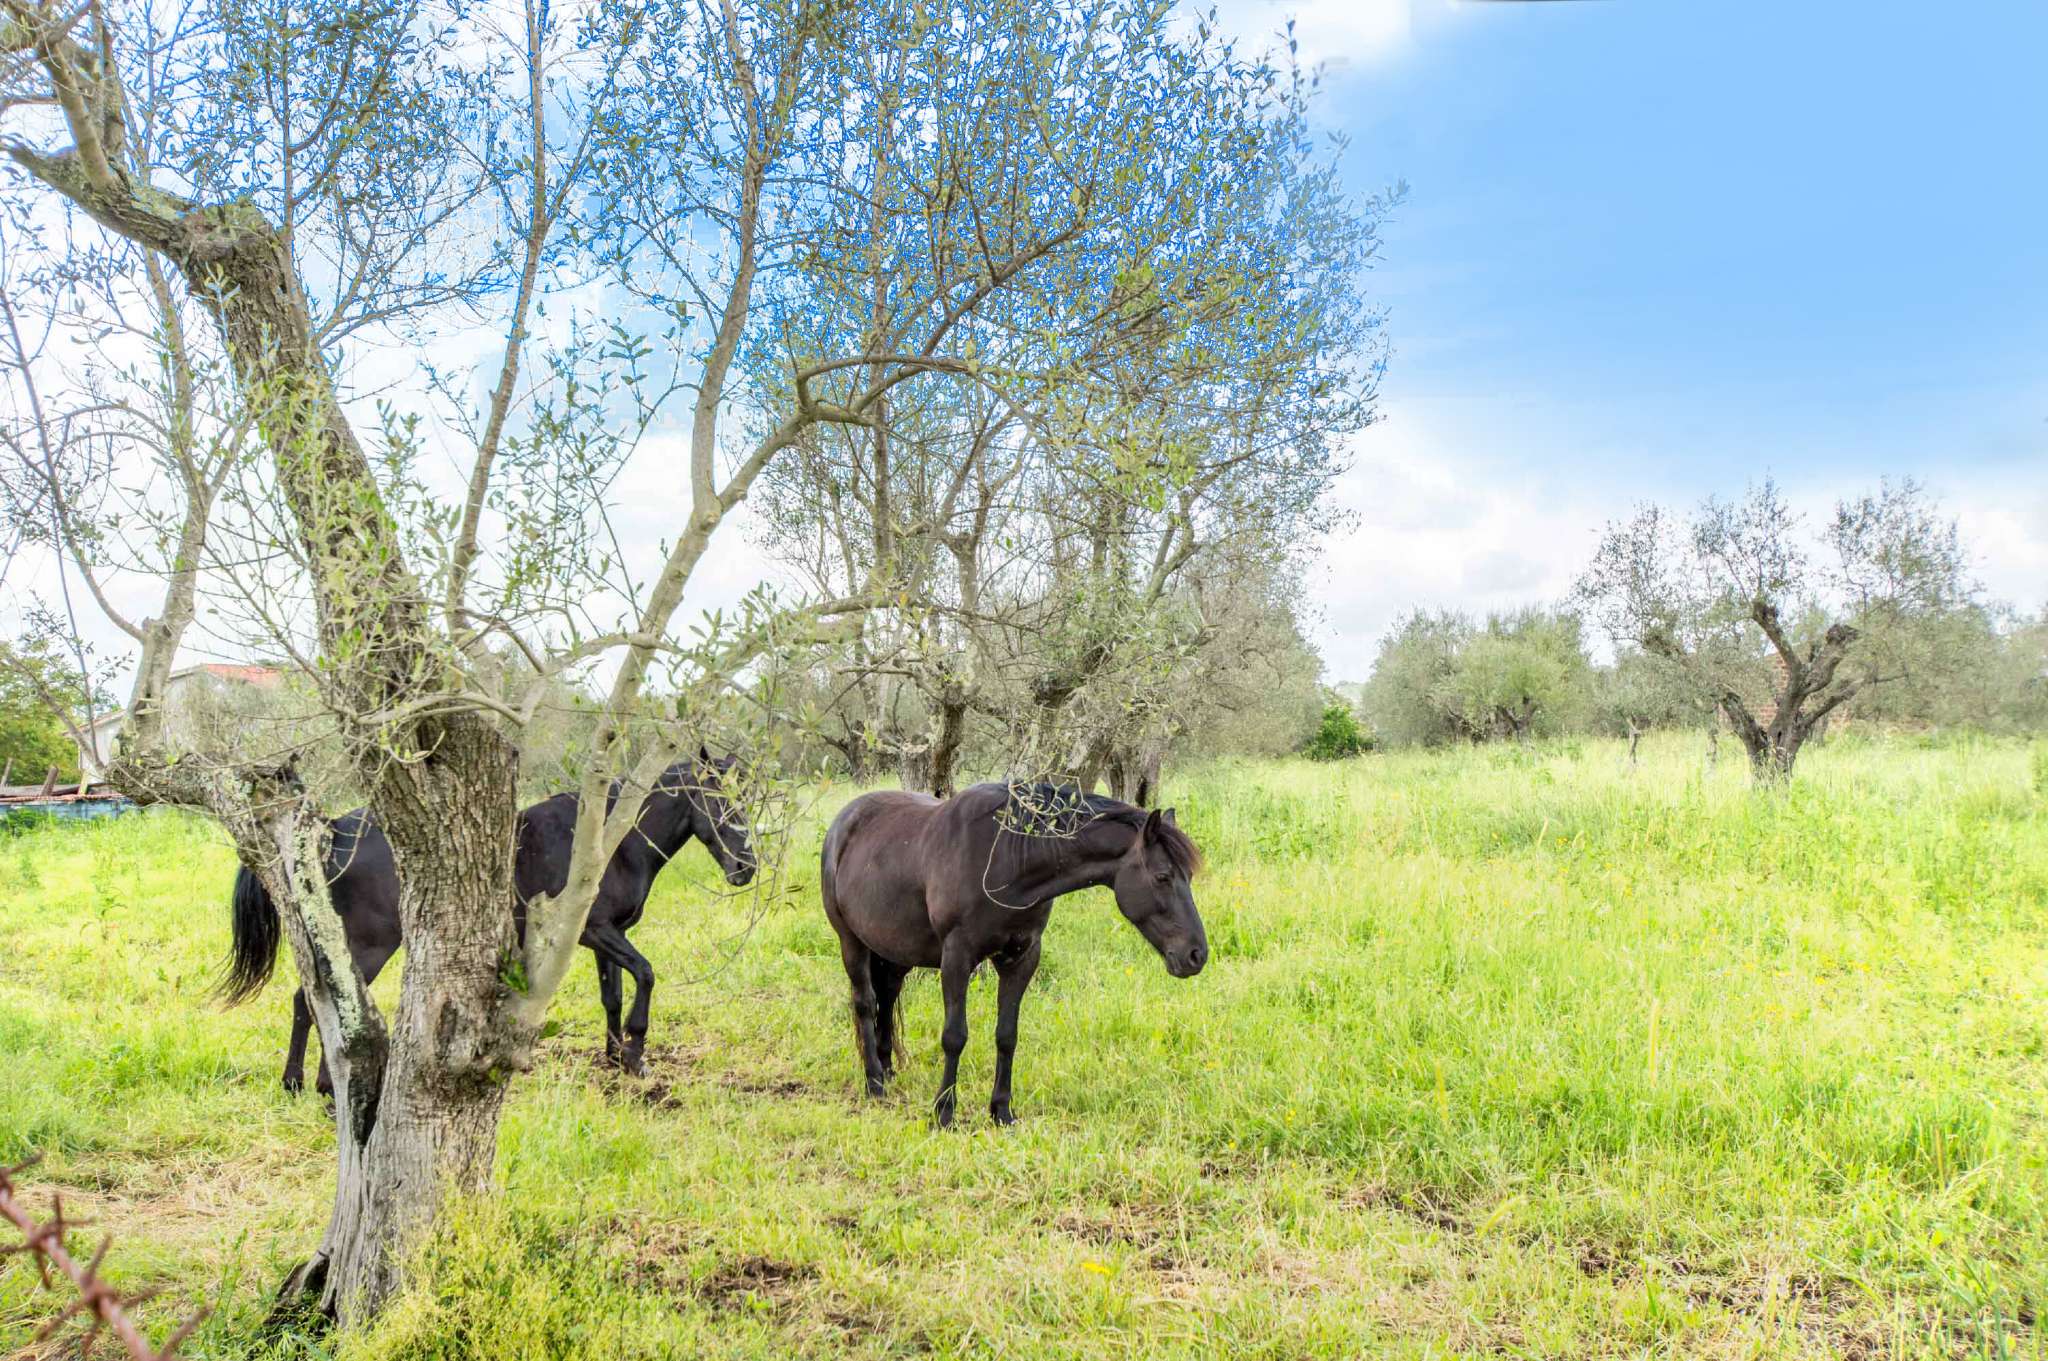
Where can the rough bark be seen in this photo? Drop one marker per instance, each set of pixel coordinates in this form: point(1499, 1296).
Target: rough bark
point(1134, 773)
point(913, 765)
point(432, 1102)
point(949, 730)
point(418, 1118)
point(435, 1130)
point(1517, 720)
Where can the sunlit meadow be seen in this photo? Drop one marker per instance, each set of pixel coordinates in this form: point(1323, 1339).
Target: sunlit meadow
point(1510, 1052)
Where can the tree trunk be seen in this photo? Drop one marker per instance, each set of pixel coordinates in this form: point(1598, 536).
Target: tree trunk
point(1772, 765)
point(1094, 757)
point(1773, 747)
point(943, 756)
point(417, 1115)
point(914, 764)
point(1134, 773)
point(432, 1105)
point(857, 749)
point(416, 1110)
point(421, 1123)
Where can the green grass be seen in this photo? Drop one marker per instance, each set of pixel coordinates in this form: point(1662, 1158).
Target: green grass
point(1502, 1052)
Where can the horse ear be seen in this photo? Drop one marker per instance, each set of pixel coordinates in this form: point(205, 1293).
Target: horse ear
point(1168, 815)
point(1151, 832)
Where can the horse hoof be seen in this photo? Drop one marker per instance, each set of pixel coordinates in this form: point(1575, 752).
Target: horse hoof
point(294, 1085)
point(1002, 1115)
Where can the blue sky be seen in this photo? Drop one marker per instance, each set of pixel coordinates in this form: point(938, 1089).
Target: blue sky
point(1656, 249)
point(1653, 249)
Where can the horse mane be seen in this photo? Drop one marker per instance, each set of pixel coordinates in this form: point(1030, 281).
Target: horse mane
point(1063, 812)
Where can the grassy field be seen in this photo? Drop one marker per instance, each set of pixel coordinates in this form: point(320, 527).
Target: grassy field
point(1511, 1053)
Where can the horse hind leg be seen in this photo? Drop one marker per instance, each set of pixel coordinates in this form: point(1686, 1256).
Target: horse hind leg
point(611, 946)
point(866, 1011)
point(888, 977)
point(295, 1056)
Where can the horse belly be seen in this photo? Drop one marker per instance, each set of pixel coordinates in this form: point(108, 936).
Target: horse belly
point(884, 909)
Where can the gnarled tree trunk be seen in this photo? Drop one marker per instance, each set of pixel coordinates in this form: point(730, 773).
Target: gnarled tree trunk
point(434, 1128)
point(417, 1108)
point(1134, 773)
point(1805, 694)
point(948, 733)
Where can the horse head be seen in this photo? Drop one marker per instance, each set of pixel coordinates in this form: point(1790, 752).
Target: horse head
point(1153, 893)
point(719, 821)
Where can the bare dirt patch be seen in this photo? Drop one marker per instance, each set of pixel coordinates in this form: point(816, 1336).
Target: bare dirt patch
point(671, 1067)
point(762, 1086)
point(1424, 1205)
point(1599, 1259)
point(1129, 1228)
point(753, 1283)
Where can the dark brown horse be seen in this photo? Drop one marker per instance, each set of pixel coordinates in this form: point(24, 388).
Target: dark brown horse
point(910, 882)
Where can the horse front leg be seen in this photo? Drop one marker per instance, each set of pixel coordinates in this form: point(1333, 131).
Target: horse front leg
point(612, 947)
point(636, 1020)
point(1012, 979)
point(611, 992)
point(956, 968)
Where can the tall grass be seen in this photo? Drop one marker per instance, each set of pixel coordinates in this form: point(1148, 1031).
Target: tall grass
point(1515, 1052)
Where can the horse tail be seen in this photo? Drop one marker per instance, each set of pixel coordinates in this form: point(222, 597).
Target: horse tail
point(256, 933)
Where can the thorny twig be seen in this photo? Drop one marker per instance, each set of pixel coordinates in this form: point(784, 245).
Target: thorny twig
point(105, 1305)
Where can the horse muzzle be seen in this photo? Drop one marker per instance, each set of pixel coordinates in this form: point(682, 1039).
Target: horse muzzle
point(1187, 963)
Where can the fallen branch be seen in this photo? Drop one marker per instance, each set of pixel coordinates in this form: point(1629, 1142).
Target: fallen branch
point(106, 1305)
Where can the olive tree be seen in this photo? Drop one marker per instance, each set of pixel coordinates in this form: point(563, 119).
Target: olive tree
point(1059, 557)
point(1523, 669)
point(604, 238)
point(1415, 667)
point(1781, 627)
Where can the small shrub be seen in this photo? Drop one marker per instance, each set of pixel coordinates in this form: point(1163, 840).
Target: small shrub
point(1338, 736)
point(21, 821)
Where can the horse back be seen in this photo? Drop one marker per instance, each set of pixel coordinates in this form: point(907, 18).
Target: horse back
point(887, 814)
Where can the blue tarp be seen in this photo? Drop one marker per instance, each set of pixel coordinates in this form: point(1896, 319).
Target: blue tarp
point(67, 808)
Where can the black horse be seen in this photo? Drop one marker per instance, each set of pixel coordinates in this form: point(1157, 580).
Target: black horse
point(688, 802)
point(911, 882)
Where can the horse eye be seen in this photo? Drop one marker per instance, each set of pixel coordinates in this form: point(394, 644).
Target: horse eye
point(1162, 876)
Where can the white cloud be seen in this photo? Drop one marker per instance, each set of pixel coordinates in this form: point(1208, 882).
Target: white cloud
point(1329, 33)
point(1438, 529)
point(1443, 526)
point(2006, 530)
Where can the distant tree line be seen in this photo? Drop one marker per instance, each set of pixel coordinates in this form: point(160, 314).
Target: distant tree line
point(1734, 619)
